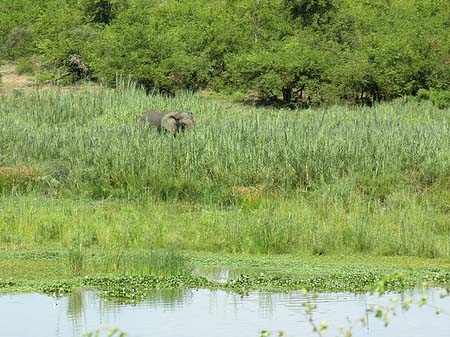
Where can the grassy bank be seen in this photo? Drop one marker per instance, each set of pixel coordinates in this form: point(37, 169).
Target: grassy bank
point(130, 274)
point(317, 223)
point(79, 175)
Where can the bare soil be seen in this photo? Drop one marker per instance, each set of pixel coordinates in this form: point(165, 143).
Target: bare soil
point(11, 81)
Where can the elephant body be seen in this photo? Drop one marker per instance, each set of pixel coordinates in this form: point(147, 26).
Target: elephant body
point(173, 121)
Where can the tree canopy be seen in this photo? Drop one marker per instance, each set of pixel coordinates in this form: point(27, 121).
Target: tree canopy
point(297, 52)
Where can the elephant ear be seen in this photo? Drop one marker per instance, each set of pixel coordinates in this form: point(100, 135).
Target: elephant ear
point(170, 123)
point(185, 120)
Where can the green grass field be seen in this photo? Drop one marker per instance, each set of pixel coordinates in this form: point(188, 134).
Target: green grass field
point(78, 174)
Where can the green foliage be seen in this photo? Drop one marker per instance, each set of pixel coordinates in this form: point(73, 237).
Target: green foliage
point(62, 37)
point(57, 289)
point(18, 43)
point(440, 98)
point(311, 11)
point(366, 180)
point(17, 20)
point(101, 11)
point(153, 262)
point(288, 73)
point(298, 53)
point(136, 288)
point(113, 332)
point(76, 258)
point(162, 52)
point(25, 67)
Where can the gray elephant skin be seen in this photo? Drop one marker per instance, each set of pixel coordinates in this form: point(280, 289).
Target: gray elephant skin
point(172, 122)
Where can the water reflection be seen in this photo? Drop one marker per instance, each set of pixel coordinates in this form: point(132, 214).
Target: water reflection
point(208, 313)
point(75, 309)
point(220, 274)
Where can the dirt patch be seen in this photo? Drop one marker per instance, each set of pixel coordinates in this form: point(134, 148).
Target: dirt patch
point(17, 171)
point(248, 192)
point(11, 81)
point(16, 177)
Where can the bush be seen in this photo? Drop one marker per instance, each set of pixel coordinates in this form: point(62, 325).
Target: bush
point(19, 43)
point(440, 98)
point(295, 53)
point(423, 95)
point(25, 67)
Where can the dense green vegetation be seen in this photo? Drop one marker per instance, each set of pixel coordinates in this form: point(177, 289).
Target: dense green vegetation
point(77, 169)
point(81, 181)
point(294, 52)
point(125, 273)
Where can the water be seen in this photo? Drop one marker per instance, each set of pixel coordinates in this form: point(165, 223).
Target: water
point(189, 313)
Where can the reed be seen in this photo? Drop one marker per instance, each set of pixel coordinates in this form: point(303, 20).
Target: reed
point(119, 261)
point(245, 179)
point(318, 223)
point(94, 136)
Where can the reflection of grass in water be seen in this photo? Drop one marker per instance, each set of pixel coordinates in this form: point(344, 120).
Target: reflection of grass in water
point(76, 306)
point(165, 297)
point(385, 310)
point(169, 297)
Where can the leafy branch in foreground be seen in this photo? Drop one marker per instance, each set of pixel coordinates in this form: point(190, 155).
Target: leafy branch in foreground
point(113, 332)
point(384, 312)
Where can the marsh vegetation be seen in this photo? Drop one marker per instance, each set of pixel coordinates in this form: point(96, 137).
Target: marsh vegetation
point(335, 200)
point(78, 170)
point(318, 158)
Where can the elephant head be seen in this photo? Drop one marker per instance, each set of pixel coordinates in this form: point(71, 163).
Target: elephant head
point(172, 122)
point(177, 121)
point(185, 120)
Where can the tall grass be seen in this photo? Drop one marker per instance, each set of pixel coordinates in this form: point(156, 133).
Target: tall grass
point(370, 180)
point(95, 136)
point(119, 261)
point(320, 222)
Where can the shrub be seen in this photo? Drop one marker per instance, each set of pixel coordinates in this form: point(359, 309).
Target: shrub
point(440, 98)
point(25, 67)
point(19, 43)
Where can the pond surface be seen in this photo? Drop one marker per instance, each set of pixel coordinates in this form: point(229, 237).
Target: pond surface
point(205, 313)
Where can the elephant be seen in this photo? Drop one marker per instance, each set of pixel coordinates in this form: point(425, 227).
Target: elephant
point(172, 122)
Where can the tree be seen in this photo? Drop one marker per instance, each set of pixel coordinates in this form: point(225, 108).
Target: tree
point(284, 73)
point(101, 11)
point(310, 12)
